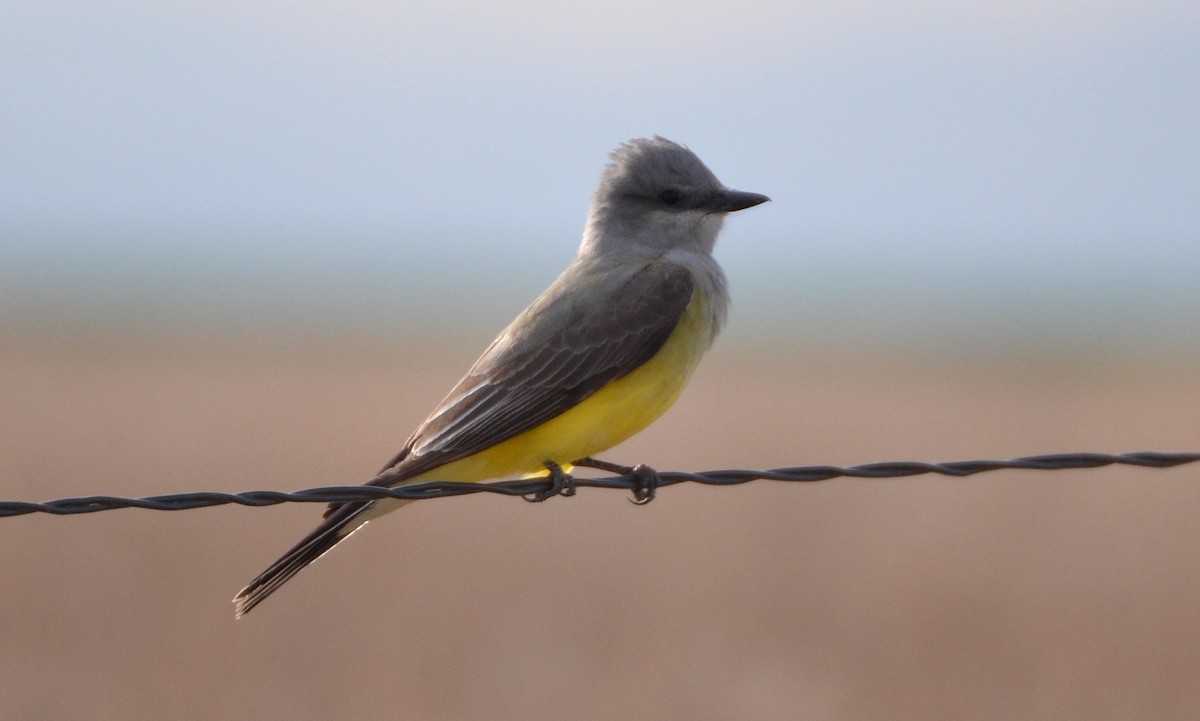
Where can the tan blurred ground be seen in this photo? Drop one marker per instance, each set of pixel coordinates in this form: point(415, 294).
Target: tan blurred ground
point(1071, 595)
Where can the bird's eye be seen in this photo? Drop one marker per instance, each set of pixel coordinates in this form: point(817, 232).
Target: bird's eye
point(670, 196)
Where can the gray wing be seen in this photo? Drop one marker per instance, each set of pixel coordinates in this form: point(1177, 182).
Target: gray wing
point(566, 349)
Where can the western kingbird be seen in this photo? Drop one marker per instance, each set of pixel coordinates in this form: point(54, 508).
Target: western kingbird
point(602, 353)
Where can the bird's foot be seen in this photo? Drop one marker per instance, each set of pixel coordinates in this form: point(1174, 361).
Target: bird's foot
point(645, 478)
point(561, 484)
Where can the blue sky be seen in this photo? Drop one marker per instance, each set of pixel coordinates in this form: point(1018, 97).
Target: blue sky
point(1018, 163)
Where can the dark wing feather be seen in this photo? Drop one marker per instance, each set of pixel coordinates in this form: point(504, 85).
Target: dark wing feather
point(510, 391)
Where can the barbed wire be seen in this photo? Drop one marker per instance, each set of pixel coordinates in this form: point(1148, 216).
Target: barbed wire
point(541, 488)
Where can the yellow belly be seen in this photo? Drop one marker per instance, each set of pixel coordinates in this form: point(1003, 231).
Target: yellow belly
point(607, 417)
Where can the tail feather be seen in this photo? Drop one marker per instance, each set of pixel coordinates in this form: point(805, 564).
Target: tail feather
point(336, 528)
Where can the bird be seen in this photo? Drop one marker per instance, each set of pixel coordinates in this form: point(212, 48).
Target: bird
point(598, 356)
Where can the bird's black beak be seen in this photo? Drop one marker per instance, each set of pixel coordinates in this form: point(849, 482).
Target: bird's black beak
point(729, 200)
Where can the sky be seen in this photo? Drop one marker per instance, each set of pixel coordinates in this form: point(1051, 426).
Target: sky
point(1022, 168)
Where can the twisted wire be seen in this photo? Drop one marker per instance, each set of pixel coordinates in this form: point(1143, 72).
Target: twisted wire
point(541, 487)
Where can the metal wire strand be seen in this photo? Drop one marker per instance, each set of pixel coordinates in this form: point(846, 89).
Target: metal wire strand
point(539, 487)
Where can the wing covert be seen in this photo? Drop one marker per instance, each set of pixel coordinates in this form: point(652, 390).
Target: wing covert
point(568, 348)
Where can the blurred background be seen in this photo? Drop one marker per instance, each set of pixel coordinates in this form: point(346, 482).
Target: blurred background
point(250, 246)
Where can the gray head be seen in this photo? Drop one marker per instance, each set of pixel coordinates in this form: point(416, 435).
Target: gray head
point(656, 195)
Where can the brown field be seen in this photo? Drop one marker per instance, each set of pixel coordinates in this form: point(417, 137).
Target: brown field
point(1012, 595)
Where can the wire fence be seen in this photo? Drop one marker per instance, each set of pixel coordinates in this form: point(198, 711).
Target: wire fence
point(537, 489)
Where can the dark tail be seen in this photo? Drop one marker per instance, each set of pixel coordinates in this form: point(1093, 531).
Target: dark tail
point(340, 524)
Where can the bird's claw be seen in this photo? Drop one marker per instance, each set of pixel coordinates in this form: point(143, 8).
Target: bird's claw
point(646, 484)
point(645, 478)
point(561, 484)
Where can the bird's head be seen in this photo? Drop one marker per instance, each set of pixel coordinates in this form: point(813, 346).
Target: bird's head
point(655, 196)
